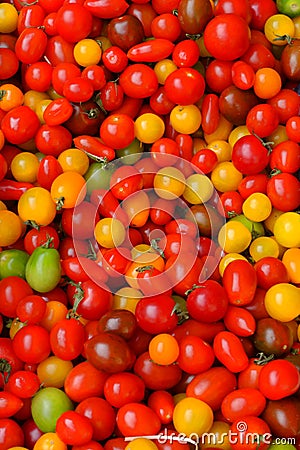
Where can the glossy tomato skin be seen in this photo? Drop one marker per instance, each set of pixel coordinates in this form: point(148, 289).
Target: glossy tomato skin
point(283, 190)
point(208, 302)
point(155, 315)
point(101, 415)
point(20, 124)
point(194, 15)
point(137, 419)
point(138, 81)
point(11, 434)
point(185, 86)
point(74, 428)
point(212, 386)
point(272, 337)
point(240, 282)
point(282, 416)
point(230, 351)
point(67, 348)
point(243, 402)
point(271, 379)
point(32, 344)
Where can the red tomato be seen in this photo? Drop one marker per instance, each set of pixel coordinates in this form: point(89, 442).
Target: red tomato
point(122, 388)
point(227, 36)
point(249, 155)
point(31, 309)
point(251, 430)
point(10, 404)
point(117, 130)
point(137, 419)
point(31, 45)
point(53, 140)
point(73, 428)
point(38, 76)
point(73, 22)
point(101, 415)
point(84, 381)
point(114, 59)
point(23, 384)
point(283, 190)
point(67, 339)
point(270, 271)
point(162, 403)
point(78, 89)
point(279, 379)
point(230, 351)
point(191, 327)
point(185, 86)
point(12, 290)
point(212, 386)
point(11, 434)
point(208, 302)
point(243, 402)
point(124, 181)
point(262, 120)
point(166, 26)
point(240, 321)
point(20, 124)
point(156, 315)
point(36, 237)
point(138, 81)
point(285, 157)
point(195, 355)
point(239, 281)
point(32, 344)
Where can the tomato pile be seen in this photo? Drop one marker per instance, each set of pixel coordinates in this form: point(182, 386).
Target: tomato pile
point(149, 224)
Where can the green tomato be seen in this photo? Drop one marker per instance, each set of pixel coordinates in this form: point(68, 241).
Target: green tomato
point(43, 269)
point(290, 8)
point(47, 406)
point(98, 176)
point(255, 228)
point(132, 153)
point(13, 263)
point(282, 446)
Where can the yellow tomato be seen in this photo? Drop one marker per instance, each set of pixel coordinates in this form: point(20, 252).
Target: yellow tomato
point(234, 237)
point(10, 228)
point(87, 52)
point(291, 260)
point(169, 183)
point(221, 133)
point(163, 68)
point(49, 441)
point(140, 249)
point(282, 302)
point(257, 207)
point(192, 416)
point(279, 135)
point(279, 29)
point(222, 149)
point(32, 98)
point(149, 128)
point(74, 160)
point(68, 189)
point(109, 232)
point(237, 133)
point(8, 18)
point(40, 108)
point(185, 119)
point(286, 229)
point(141, 444)
point(263, 246)
point(225, 177)
point(199, 189)
point(270, 221)
point(217, 437)
point(53, 371)
point(37, 205)
point(24, 167)
point(126, 298)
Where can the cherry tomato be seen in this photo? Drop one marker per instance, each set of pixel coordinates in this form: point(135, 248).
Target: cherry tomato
point(208, 302)
point(138, 81)
point(73, 428)
point(272, 373)
point(249, 155)
point(145, 421)
point(239, 292)
point(130, 388)
point(32, 344)
point(185, 86)
point(84, 381)
point(68, 348)
point(230, 352)
point(100, 414)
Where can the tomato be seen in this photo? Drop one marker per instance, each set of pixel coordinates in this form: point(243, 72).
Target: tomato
point(208, 302)
point(136, 419)
point(13, 263)
point(239, 281)
point(10, 404)
point(37, 237)
point(130, 387)
point(23, 384)
point(249, 155)
point(195, 355)
point(13, 289)
point(67, 348)
point(283, 191)
point(47, 406)
point(155, 376)
point(271, 376)
point(84, 381)
point(227, 31)
point(117, 130)
point(185, 86)
point(11, 434)
point(166, 26)
point(239, 321)
point(100, 414)
point(285, 408)
point(26, 128)
point(53, 371)
point(286, 104)
point(31, 309)
point(243, 402)
point(32, 344)
point(250, 429)
point(272, 337)
point(278, 28)
point(138, 81)
point(31, 45)
point(9, 63)
point(270, 271)
point(125, 181)
point(73, 22)
point(230, 352)
point(194, 16)
point(291, 263)
point(114, 59)
point(156, 315)
point(285, 157)
point(47, 440)
point(52, 140)
point(43, 269)
point(74, 428)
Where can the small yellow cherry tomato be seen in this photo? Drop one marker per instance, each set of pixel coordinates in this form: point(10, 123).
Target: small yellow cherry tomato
point(32, 98)
point(68, 189)
point(237, 133)
point(234, 237)
point(257, 207)
point(40, 108)
point(126, 298)
point(169, 183)
point(279, 29)
point(24, 167)
point(286, 229)
point(10, 228)
point(163, 68)
point(270, 221)
point(74, 160)
point(291, 260)
point(225, 177)
point(149, 128)
point(199, 189)
point(217, 437)
point(282, 302)
point(185, 119)
point(141, 444)
point(109, 232)
point(37, 205)
point(222, 149)
point(192, 416)
point(8, 18)
point(49, 441)
point(263, 246)
point(87, 52)
point(2, 206)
